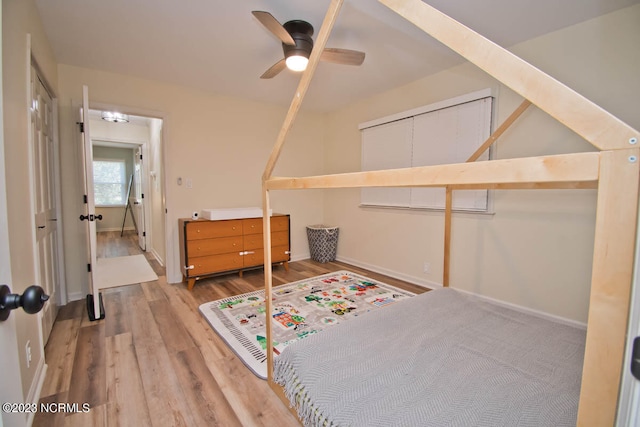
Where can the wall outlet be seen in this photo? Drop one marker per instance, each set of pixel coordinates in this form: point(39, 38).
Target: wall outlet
point(426, 267)
point(27, 351)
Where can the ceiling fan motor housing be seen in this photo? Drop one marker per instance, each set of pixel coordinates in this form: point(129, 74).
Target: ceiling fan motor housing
point(301, 32)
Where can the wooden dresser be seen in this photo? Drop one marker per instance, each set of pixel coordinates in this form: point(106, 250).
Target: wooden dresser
point(212, 247)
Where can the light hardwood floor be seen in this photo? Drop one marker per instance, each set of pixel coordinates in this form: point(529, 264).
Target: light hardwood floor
point(154, 360)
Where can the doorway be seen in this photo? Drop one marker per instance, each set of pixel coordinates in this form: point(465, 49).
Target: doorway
point(128, 195)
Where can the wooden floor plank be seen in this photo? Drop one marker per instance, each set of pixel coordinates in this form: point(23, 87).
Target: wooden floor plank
point(60, 357)
point(88, 379)
point(155, 347)
point(117, 321)
point(165, 398)
point(175, 336)
point(208, 403)
point(125, 393)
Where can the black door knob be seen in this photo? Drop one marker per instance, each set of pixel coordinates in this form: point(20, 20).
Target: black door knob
point(31, 301)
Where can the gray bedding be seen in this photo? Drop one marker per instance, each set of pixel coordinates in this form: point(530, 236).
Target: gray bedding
point(441, 358)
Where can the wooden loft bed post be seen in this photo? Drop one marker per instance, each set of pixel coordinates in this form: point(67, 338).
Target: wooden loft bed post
point(448, 209)
point(303, 85)
point(612, 275)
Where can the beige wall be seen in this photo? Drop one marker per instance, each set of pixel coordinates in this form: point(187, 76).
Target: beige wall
point(19, 18)
point(536, 250)
point(220, 143)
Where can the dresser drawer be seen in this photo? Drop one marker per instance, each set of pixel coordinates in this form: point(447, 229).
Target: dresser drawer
point(253, 257)
point(280, 253)
point(212, 229)
point(215, 263)
point(279, 223)
point(222, 245)
point(252, 226)
point(256, 257)
point(255, 241)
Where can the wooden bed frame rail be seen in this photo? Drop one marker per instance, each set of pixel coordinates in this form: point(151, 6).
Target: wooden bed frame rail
point(614, 170)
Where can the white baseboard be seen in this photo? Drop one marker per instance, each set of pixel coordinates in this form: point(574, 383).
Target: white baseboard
point(431, 285)
point(116, 229)
point(36, 388)
point(300, 257)
point(528, 310)
point(396, 274)
point(75, 296)
point(157, 257)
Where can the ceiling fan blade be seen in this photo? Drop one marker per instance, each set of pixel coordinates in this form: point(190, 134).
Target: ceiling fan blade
point(342, 56)
point(274, 26)
point(274, 70)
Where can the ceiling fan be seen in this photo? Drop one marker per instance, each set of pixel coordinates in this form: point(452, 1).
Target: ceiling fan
point(297, 45)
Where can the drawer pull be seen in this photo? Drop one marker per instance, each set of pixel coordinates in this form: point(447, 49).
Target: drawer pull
point(191, 267)
point(287, 252)
point(247, 253)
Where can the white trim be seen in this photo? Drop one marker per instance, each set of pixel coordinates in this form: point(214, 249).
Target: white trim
point(172, 268)
point(157, 257)
point(115, 229)
point(62, 283)
point(473, 96)
point(432, 285)
point(33, 396)
point(76, 296)
point(392, 273)
point(522, 309)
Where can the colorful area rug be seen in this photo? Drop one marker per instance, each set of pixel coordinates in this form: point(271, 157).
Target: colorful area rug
point(300, 309)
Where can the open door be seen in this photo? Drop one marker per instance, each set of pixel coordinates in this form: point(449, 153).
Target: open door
point(138, 195)
point(11, 389)
point(95, 307)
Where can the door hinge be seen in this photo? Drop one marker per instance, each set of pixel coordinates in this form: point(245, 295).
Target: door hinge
point(144, 234)
point(89, 268)
point(140, 156)
point(81, 126)
point(142, 196)
point(86, 200)
point(635, 358)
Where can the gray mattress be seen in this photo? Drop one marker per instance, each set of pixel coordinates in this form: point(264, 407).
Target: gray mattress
point(441, 358)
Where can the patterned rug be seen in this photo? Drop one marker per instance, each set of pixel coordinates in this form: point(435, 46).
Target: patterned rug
point(300, 309)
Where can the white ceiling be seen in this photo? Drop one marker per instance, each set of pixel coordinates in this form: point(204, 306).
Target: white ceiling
point(218, 46)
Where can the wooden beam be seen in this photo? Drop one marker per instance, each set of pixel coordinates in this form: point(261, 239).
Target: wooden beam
point(594, 124)
point(305, 80)
point(501, 129)
point(579, 185)
point(558, 168)
point(268, 279)
point(448, 208)
point(449, 191)
point(611, 283)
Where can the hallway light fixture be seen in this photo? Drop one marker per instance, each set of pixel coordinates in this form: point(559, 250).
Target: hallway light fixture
point(112, 116)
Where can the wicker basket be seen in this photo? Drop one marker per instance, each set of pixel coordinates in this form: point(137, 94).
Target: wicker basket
point(323, 242)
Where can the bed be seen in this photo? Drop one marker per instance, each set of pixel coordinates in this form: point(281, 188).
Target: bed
point(613, 169)
point(439, 358)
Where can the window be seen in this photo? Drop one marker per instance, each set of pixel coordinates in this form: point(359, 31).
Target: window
point(446, 132)
point(109, 182)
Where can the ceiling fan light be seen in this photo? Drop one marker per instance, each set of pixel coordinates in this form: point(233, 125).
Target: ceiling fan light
point(297, 63)
point(112, 116)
